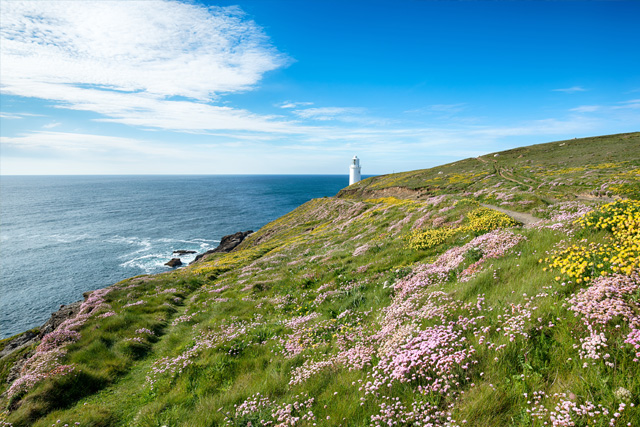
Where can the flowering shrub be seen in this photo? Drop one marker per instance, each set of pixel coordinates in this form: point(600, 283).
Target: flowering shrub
point(480, 221)
point(361, 249)
point(422, 413)
point(485, 219)
point(57, 339)
point(46, 362)
point(567, 412)
point(431, 237)
point(265, 412)
point(583, 262)
point(133, 304)
point(634, 339)
point(608, 298)
point(431, 360)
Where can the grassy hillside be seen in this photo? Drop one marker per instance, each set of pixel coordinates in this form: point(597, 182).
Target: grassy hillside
point(496, 291)
point(541, 174)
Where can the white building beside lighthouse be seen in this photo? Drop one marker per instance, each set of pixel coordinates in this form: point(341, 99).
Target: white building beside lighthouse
point(354, 170)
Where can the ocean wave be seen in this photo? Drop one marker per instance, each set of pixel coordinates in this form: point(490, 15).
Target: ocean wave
point(151, 254)
point(144, 244)
point(197, 241)
point(69, 238)
point(149, 263)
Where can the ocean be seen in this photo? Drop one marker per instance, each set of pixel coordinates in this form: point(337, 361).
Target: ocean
point(61, 236)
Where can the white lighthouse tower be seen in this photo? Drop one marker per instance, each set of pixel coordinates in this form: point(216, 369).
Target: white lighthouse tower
point(354, 170)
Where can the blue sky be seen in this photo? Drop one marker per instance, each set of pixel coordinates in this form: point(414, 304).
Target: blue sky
point(284, 86)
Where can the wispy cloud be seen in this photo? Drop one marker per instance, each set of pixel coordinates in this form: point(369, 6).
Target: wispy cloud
point(291, 104)
point(10, 116)
point(586, 108)
point(439, 108)
point(349, 114)
point(83, 142)
point(137, 63)
point(14, 116)
point(632, 104)
point(572, 89)
point(429, 145)
point(51, 125)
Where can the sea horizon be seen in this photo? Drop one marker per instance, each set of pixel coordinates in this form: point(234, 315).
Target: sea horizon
point(63, 235)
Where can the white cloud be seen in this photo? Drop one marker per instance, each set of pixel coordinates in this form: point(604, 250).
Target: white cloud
point(137, 63)
point(586, 108)
point(632, 104)
point(80, 143)
point(291, 104)
point(348, 114)
point(439, 108)
point(4, 115)
point(51, 125)
point(572, 89)
point(10, 116)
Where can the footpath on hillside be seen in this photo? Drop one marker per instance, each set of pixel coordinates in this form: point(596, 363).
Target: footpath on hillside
point(523, 217)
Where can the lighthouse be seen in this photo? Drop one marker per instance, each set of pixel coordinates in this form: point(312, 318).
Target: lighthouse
point(354, 170)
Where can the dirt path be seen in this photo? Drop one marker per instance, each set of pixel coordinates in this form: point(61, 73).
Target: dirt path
point(523, 217)
point(502, 173)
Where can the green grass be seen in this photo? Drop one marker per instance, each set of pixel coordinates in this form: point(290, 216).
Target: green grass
point(581, 166)
point(338, 260)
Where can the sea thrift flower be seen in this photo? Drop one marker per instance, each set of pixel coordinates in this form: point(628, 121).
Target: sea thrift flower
point(107, 314)
point(607, 298)
point(45, 362)
point(634, 339)
point(361, 249)
point(133, 304)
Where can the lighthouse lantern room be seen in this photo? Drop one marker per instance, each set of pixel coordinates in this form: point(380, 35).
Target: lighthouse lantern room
point(354, 170)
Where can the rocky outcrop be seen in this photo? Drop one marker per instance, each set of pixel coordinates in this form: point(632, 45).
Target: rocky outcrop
point(183, 252)
point(65, 312)
point(18, 342)
point(227, 244)
point(174, 262)
point(26, 339)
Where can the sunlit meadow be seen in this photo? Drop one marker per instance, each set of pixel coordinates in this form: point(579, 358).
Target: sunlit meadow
point(408, 300)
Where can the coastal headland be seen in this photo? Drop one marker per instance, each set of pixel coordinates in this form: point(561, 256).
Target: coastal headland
point(497, 290)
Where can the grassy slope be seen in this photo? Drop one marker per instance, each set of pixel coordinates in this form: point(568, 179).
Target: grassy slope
point(313, 292)
point(544, 172)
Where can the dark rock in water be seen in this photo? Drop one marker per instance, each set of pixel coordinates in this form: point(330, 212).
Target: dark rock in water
point(66, 312)
point(183, 252)
point(227, 244)
point(175, 262)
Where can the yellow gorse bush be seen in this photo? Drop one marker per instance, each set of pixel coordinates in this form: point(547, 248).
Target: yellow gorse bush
point(431, 237)
point(485, 219)
point(480, 220)
point(621, 254)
